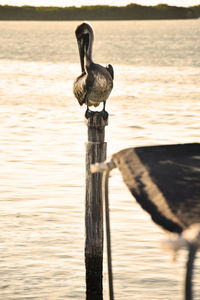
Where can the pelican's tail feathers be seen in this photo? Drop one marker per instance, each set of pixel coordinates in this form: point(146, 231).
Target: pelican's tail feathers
point(110, 70)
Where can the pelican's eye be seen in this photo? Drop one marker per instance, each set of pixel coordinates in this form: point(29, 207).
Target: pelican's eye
point(79, 33)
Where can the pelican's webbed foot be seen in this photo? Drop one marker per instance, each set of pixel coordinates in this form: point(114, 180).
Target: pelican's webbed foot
point(89, 113)
point(104, 112)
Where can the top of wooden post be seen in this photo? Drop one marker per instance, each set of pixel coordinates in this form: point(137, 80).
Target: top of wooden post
point(97, 119)
point(96, 122)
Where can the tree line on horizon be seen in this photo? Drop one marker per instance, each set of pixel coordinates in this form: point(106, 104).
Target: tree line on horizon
point(99, 12)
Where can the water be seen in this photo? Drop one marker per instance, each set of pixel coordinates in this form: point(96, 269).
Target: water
point(42, 136)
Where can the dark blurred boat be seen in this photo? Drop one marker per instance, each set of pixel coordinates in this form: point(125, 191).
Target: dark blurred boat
point(165, 181)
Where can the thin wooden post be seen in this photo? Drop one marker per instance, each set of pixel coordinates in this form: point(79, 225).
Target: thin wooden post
point(192, 250)
point(95, 152)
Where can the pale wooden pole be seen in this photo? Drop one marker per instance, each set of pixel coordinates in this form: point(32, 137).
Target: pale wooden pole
point(95, 152)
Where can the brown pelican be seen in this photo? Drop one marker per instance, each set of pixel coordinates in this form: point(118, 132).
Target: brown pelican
point(95, 83)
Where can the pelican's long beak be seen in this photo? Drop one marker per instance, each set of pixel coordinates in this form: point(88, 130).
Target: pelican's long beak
point(81, 52)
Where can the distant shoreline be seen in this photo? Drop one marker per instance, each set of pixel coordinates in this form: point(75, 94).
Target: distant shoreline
point(103, 20)
point(98, 13)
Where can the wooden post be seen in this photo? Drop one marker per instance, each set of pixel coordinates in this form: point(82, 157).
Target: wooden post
point(192, 250)
point(95, 152)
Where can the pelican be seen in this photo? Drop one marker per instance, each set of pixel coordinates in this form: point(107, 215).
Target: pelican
point(95, 83)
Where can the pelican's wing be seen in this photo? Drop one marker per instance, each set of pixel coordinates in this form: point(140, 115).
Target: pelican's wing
point(79, 89)
point(110, 70)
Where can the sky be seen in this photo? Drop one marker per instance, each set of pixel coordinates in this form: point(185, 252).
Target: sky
point(97, 2)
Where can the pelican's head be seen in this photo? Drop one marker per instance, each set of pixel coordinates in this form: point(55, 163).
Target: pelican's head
point(85, 36)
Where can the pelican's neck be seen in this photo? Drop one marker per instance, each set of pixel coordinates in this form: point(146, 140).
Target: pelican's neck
point(88, 53)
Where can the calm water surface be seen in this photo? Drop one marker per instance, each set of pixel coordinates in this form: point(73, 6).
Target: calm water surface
point(42, 137)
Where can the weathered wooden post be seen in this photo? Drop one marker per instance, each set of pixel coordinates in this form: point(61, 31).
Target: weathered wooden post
point(95, 152)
